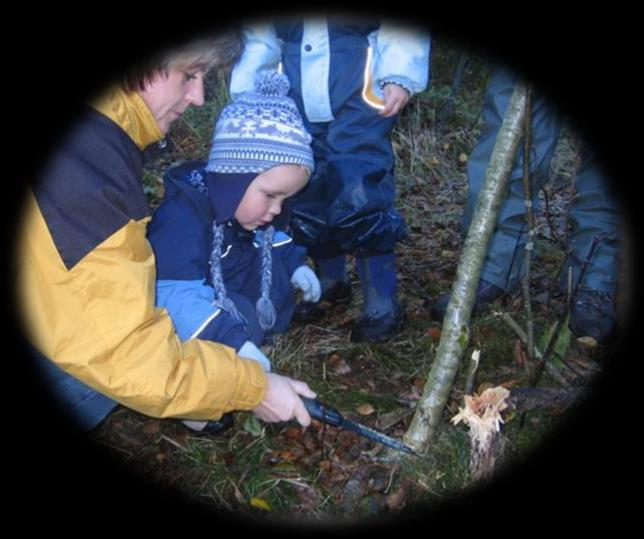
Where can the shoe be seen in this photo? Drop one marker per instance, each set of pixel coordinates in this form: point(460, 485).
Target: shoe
point(307, 311)
point(212, 427)
point(593, 315)
point(378, 329)
point(486, 293)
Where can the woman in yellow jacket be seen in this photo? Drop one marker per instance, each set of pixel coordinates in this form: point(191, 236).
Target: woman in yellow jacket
point(87, 272)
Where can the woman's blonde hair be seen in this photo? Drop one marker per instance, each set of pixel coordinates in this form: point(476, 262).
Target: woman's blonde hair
point(219, 50)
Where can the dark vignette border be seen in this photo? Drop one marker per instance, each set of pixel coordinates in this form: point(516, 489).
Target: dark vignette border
point(586, 62)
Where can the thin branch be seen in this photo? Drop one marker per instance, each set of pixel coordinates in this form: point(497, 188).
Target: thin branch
point(471, 375)
point(553, 228)
point(554, 372)
point(529, 246)
point(455, 333)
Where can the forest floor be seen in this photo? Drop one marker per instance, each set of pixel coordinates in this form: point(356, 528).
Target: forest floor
point(281, 471)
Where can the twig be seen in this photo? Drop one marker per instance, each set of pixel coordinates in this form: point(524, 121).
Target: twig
point(554, 372)
point(570, 296)
point(553, 229)
point(170, 440)
point(584, 267)
point(529, 246)
point(471, 375)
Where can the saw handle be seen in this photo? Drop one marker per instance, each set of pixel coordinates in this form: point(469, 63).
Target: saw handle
point(322, 412)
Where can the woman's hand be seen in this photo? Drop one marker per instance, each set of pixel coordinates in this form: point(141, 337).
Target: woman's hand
point(282, 402)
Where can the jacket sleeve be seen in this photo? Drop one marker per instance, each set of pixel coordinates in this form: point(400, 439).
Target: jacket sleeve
point(262, 50)
point(401, 56)
point(190, 305)
point(293, 255)
point(98, 322)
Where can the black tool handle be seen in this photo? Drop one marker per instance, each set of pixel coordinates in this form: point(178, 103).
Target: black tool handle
point(322, 412)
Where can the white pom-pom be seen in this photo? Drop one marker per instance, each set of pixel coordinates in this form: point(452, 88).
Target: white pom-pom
point(272, 82)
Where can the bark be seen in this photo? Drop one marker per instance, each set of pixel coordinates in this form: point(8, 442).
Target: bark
point(528, 398)
point(455, 332)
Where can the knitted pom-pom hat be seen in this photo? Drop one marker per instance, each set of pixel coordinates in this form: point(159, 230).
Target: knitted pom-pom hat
point(260, 130)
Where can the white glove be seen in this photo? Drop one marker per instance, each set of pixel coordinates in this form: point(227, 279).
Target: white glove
point(250, 351)
point(306, 280)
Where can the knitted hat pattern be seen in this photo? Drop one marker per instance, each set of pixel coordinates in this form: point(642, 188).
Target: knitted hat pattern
point(260, 130)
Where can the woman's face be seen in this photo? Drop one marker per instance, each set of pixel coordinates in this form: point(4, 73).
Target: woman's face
point(266, 193)
point(169, 96)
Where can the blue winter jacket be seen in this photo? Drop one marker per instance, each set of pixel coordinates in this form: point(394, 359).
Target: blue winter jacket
point(181, 235)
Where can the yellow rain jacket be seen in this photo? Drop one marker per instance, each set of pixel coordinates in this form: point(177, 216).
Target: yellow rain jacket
point(87, 278)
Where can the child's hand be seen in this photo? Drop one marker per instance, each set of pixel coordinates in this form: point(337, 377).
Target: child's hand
point(306, 280)
point(282, 402)
point(396, 97)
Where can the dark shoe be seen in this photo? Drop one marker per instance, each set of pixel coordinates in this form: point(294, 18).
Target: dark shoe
point(307, 311)
point(378, 329)
point(213, 428)
point(485, 294)
point(593, 315)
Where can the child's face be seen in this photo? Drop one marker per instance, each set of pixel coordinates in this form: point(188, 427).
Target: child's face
point(266, 193)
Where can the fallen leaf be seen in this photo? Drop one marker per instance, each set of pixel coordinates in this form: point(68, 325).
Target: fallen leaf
point(283, 455)
point(293, 433)
point(339, 365)
point(309, 498)
point(587, 343)
point(342, 368)
point(310, 442)
point(346, 439)
point(434, 333)
point(419, 382)
point(396, 499)
point(260, 503)
point(365, 409)
point(253, 426)
point(519, 354)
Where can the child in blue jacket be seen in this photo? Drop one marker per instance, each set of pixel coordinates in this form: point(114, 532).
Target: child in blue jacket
point(349, 79)
point(226, 269)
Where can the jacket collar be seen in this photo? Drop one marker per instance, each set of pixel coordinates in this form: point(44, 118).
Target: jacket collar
point(129, 111)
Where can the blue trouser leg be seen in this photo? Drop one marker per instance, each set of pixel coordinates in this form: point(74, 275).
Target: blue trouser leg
point(504, 262)
point(331, 270)
point(595, 219)
point(309, 222)
point(348, 205)
point(378, 280)
point(85, 406)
